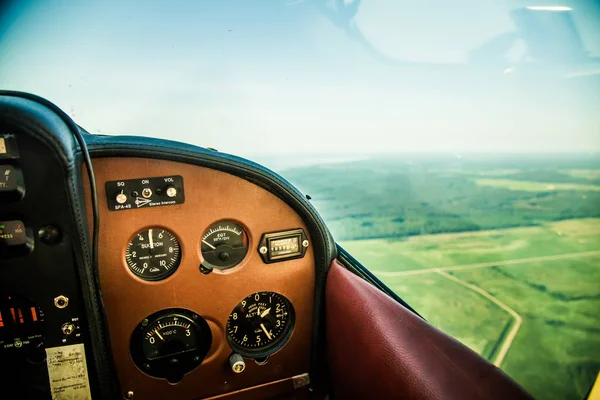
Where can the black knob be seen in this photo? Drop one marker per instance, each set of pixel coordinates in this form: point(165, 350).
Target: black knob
point(50, 234)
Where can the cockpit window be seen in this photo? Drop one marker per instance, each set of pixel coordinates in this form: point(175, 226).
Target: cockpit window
point(452, 147)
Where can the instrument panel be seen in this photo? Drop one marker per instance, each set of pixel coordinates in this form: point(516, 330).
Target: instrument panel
point(209, 295)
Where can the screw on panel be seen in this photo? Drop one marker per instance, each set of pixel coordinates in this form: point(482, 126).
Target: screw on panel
point(129, 395)
point(206, 269)
point(305, 243)
point(263, 250)
point(145, 322)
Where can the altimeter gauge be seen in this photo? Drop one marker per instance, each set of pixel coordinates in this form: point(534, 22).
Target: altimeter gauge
point(260, 324)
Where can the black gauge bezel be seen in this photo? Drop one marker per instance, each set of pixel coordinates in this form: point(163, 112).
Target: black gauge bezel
point(221, 265)
point(271, 348)
point(187, 361)
point(163, 275)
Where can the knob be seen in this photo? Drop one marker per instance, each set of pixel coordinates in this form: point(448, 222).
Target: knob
point(237, 363)
point(171, 191)
point(67, 328)
point(121, 198)
point(50, 234)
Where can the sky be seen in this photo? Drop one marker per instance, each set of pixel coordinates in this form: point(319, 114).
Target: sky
point(317, 76)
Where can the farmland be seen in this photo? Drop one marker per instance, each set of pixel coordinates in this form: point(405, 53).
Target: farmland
point(557, 349)
point(502, 253)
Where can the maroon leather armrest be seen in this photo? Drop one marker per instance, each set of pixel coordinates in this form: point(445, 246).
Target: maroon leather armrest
point(379, 349)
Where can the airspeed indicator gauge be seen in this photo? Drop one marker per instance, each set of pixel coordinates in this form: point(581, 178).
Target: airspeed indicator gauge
point(224, 245)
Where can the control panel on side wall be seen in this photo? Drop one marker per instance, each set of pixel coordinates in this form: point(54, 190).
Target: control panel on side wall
point(43, 325)
point(15, 239)
point(145, 192)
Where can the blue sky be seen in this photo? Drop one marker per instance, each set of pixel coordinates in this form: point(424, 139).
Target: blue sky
point(252, 77)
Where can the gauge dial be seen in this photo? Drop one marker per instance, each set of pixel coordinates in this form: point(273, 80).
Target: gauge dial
point(169, 336)
point(260, 324)
point(224, 245)
point(153, 254)
point(170, 343)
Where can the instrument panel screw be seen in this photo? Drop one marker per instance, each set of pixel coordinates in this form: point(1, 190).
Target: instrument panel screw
point(146, 366)
point(145, 322)
point(305, 243)
point(205, 269)
point(195, 316)
point(263, 250)
point(129, 394)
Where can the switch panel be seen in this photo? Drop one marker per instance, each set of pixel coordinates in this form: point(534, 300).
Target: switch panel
point(145, 192)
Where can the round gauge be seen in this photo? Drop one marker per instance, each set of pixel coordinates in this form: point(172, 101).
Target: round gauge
point(153, 254)
point(170, 343)
point(21, 325)
point(260, 324)
point(224, 245)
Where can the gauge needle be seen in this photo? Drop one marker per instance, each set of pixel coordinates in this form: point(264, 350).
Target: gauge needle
point(159, 335)
point(265, 331)
point(209, 245)
point(150, 238)
point(264, 314)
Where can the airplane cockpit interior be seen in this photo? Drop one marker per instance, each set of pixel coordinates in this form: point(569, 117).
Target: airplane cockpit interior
point(140, 266)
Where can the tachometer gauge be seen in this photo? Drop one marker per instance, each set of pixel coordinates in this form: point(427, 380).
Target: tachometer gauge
point(153, 254)
point(170, 343)
point(224, 245)
point(260, 324)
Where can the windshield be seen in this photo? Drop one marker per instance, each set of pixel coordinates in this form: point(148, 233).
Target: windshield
point(452, 147)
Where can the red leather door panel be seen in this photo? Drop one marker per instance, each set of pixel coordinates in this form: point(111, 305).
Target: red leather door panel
point(379, 349)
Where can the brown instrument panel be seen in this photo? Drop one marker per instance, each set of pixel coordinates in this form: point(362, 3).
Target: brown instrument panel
point(210, 196)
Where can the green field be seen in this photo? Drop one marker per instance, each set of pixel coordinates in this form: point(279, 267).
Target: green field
point(557, 348)
point(502, 253)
